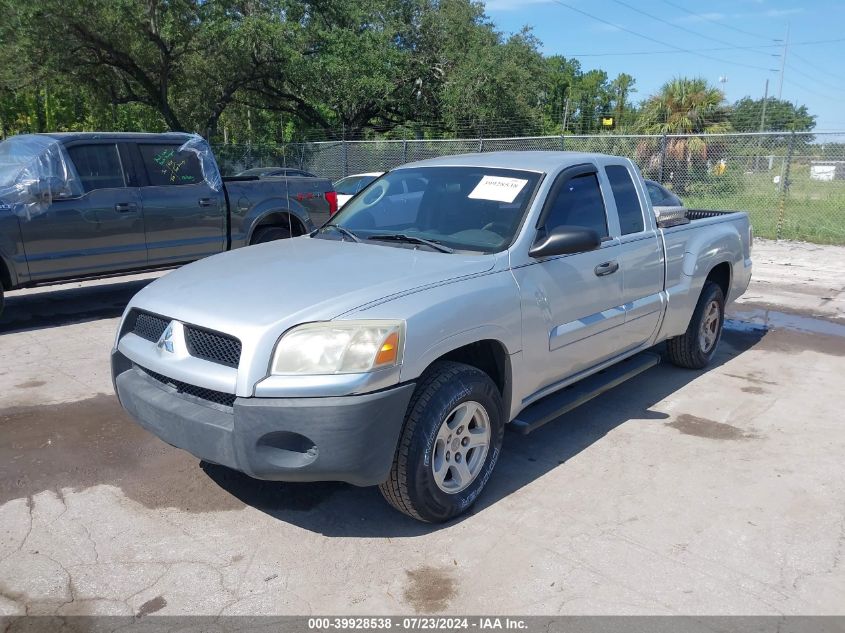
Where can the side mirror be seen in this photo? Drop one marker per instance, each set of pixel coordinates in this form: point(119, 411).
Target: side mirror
point(564, 240)
point(47, 188)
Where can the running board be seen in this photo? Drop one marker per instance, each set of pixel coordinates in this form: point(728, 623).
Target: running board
point(555, 405)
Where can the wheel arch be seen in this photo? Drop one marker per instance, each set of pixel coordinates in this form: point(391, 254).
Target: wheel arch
point(720, 274)
point(489, 355)
point(278, 217)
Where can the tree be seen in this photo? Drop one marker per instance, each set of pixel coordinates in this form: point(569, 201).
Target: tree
point(621, 89)
point(682, 106)
point(781, 115)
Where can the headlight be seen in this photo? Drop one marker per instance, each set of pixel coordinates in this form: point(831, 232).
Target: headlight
point(339, 347)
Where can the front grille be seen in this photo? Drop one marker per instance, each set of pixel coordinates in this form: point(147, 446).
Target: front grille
point(213, 346)
point(217, 397)
point(149, 326)
point(201, 343)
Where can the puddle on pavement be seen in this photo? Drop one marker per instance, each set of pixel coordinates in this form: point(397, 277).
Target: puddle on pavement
point(709, 429)
point(430, 589)
point(90, 442)
point(786, 332)
point(772, 319)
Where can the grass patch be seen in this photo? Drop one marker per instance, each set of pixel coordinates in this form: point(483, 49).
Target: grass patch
point(812, 210)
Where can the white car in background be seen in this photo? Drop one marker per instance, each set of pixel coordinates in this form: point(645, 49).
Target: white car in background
point(349, 186)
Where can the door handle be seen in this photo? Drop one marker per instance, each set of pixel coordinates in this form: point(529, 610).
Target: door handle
point(125, 207)
point(206, 202)
point(607, 268)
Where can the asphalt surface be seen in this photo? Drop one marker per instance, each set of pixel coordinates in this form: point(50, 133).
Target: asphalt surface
point(693, 492)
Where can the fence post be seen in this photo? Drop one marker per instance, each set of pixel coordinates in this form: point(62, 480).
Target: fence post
point(345, 158)
point(404, 151)
point(784, 185)
point(562, 143)
point(662, 157)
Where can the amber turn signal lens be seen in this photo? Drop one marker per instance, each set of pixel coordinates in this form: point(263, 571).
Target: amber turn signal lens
point(389, 349)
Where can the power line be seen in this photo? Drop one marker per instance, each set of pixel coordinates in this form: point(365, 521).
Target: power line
point(704, 50)
point(806, 89)
point(813, 66)
point(656, 41)
point(813, 79)
point(717, 22)
point(677, 26)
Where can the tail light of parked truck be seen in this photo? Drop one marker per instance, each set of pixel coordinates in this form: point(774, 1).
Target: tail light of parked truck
point(331, 196)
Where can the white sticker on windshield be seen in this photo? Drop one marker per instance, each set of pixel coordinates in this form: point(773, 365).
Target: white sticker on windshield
point(498, 188)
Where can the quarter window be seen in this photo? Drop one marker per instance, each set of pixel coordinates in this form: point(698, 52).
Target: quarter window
point(627, 202)
point(166, 165)
point(579, 203)
point(98, 166)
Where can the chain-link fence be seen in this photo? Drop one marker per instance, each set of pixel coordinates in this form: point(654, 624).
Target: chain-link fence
point(793, 185)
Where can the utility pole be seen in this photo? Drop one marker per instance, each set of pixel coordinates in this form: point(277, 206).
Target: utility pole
point(565, 115)
point(783, 61)
point(762, 125)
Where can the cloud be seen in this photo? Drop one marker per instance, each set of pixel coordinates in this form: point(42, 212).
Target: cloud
point(511, 5)
point(779, 13)
point(702, 17)
point(604, 28)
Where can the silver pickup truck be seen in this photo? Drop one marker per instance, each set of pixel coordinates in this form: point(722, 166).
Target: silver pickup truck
point(448, 299)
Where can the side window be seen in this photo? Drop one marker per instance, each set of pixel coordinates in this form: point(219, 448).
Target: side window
point(627, 202)
point(579, 203)
point(98, 166)
point(166, 165)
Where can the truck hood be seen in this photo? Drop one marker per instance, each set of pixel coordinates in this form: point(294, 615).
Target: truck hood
point(267, 288)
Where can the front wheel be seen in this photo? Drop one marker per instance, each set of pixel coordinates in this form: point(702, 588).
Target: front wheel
point(449, 446)
point(695, 348)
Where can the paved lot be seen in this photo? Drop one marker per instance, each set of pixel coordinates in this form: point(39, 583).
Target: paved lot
point(679, 492)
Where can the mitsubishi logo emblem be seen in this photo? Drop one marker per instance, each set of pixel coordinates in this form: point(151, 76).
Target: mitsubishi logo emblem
point(165, 341)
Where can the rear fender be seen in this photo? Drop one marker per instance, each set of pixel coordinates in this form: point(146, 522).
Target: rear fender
point(704, 250)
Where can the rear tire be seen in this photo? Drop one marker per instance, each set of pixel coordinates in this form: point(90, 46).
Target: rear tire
point(449, 445)
point(695, 348)
point(2, 299)
point(265, 234)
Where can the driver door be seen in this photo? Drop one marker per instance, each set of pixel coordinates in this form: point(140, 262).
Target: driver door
point(571, 304)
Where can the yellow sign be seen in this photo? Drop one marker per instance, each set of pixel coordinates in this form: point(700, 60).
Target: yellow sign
point(607, 121)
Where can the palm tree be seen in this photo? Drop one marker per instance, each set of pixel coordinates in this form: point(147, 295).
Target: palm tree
point(683, 106)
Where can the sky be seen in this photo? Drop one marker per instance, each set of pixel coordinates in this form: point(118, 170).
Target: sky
point(629, 36)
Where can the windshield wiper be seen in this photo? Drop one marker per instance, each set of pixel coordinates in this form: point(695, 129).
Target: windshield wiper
point(411, 239)
point(343, 231)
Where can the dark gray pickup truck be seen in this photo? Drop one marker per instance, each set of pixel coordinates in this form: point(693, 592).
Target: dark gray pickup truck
point(77, 205)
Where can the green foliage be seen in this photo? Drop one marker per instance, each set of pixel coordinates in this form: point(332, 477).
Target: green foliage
point(685, 106)
point(272, 71)
point(747, 116)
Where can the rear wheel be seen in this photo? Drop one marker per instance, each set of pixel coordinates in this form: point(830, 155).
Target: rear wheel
point(270, 234)
point(2, 300)
point(449, 445)
point(695, 348)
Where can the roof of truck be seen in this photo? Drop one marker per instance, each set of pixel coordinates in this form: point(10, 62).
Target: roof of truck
point(123, 136)
point(541, 161)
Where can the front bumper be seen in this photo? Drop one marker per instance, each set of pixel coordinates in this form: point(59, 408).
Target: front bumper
point(343, 438)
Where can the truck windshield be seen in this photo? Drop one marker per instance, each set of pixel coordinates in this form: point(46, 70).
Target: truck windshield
point(462, 208)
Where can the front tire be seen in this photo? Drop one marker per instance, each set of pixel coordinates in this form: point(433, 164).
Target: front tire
point(449, 445)
point(695, 348)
